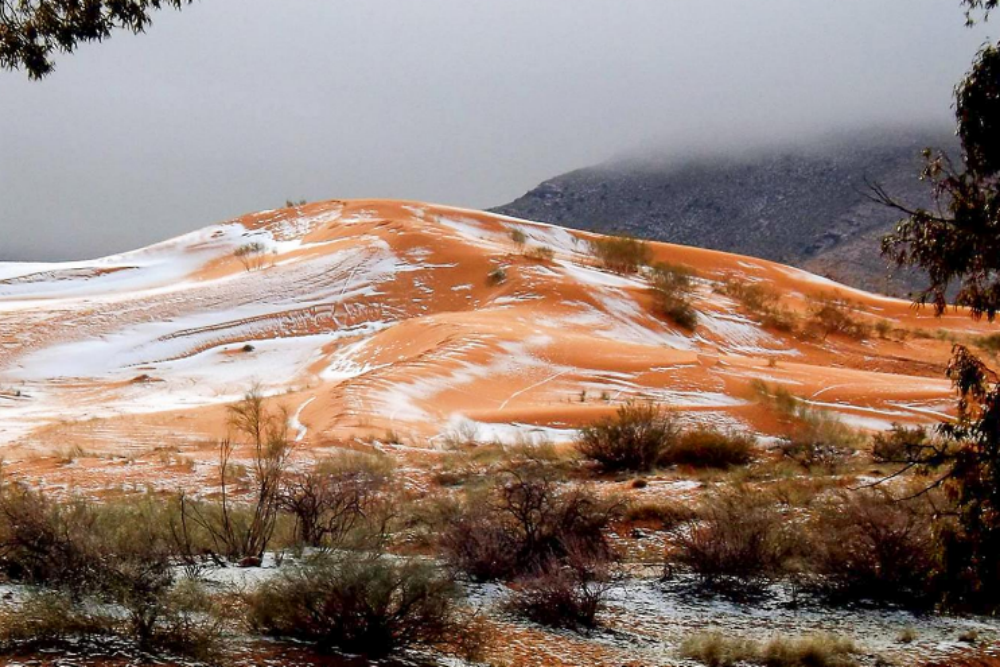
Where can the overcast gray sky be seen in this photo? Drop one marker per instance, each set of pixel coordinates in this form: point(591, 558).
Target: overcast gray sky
point(232, 106)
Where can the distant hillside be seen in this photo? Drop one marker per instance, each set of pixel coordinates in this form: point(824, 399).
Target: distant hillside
point(802, 207)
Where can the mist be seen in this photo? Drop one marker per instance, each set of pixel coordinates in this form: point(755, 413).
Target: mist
point(231, 106)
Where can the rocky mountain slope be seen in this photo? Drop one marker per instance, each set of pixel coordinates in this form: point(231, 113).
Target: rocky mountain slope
point(804, 207)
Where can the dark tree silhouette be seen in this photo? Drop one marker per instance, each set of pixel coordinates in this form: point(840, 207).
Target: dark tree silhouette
point(32, 31)
point(959, 242)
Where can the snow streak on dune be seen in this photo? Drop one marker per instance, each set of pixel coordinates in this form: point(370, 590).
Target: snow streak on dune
point(372, 316)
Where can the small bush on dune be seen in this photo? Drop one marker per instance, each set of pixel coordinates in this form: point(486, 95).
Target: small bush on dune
point(673, 288)
point(832, 316)
point(819, 439)
point(739, 544)
point(762, 302)
point(373, 606)
point(540, 253)
point(497, 276)
point(621, 254)
point(902, 444)
point(634, 439)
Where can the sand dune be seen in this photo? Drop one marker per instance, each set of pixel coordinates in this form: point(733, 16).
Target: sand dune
point(368, 317)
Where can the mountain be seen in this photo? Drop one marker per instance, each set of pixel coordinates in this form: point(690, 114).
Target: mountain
point(368, 318)
point(805, 207)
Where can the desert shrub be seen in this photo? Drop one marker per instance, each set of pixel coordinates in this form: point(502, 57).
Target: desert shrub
point(251, 255)
point(760, 301)
point(518, 237)
point(562, 595)
point(241, 534)
point(669, 514)
point(43, 542)
point(672, 288)
point(707, 447)
point(341, 501)
point(540, 253)
point(525, 522)
point(497, 276)
point(48, 620)
point(819, 439)
point(832, 316)
point(815, 438)
point(738, 546)
point(989, 344)
point(373, 605)
point(621, 254)
point(634, 439)
point(902, 444)
point(866, 546)
point(715, 649)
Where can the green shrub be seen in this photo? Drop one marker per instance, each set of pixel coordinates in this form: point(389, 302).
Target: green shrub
point(621, 254)
point(374, 606)
point(673, 288)
point(634, 439)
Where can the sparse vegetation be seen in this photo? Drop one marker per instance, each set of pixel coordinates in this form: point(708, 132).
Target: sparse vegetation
point(519, 238)
point(621, 254)
point(833, 316)
point(738, 545)
point(717, 650)
point(524, 524)
point(540, 253)
point(673, 288)
point(497, 276)
point(705, 447)
point(634, 439)
point(371, 605)
point(762, 302)
point(252, 255)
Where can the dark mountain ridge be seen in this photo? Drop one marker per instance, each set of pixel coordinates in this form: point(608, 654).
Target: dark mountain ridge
point(807, 207)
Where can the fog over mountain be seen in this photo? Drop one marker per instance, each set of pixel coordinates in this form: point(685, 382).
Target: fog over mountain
point(236, 105)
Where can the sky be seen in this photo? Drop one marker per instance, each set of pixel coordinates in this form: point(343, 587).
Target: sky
point(232, 106)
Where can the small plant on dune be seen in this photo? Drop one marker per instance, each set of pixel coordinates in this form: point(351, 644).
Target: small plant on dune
point(762, 302)
point(634, 439)
point(251, 255)
point(540, 253)
point(673, 288)
point(563, 594)
point(621, 254)
point(519, 238)
point(832, 316)
point(497, 276)
point(291, 203)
